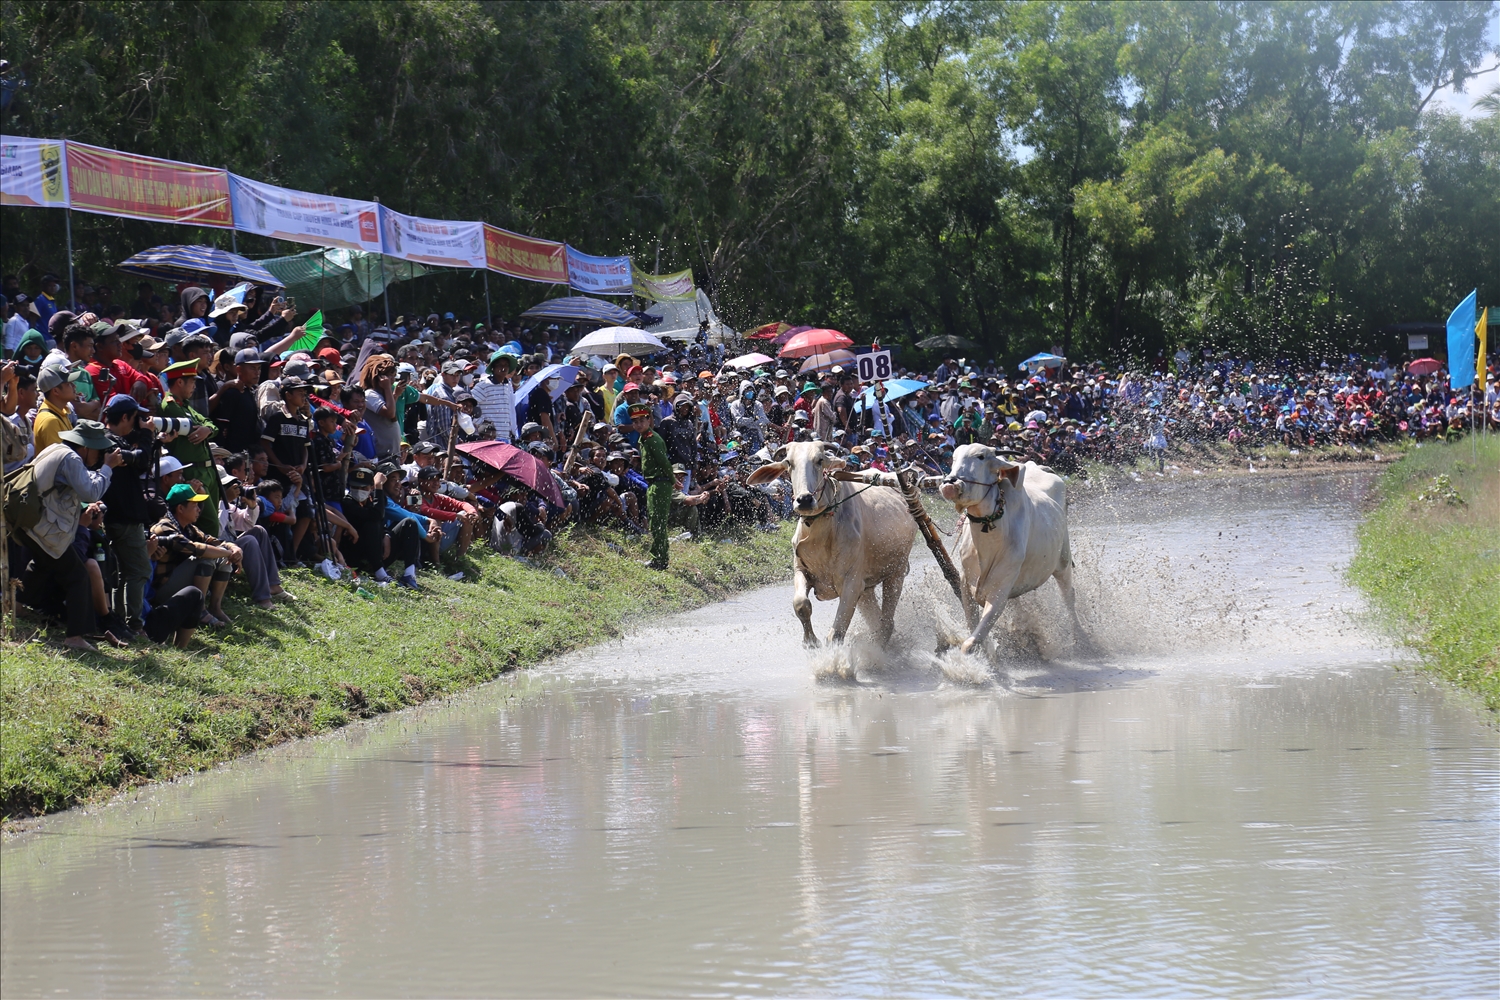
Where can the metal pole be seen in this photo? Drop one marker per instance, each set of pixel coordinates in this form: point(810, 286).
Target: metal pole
point(489, 320)
point(234, 242)
point(72, 285)
point(385, 289)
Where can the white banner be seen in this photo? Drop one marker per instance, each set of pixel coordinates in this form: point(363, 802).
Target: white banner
point(432, 241)
point(33, 172)
point(600, 275)
point(303, 217)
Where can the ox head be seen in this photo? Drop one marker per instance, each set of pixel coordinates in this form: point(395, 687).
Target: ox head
point(807, 466)
point(977, 477)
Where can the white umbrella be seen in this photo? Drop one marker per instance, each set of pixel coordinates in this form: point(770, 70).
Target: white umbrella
point(614, 340)
point(749, 361)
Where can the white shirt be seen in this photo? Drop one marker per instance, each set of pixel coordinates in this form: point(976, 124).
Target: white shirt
point(497, 404)
point(15, 329)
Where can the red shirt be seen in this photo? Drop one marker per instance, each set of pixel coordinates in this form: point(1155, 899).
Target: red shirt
point(124, 376)
point(442, 508)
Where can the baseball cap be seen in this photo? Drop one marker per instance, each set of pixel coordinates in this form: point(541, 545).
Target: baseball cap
point(249, 356)
point(182, 493)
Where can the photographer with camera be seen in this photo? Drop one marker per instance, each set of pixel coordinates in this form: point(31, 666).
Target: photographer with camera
point(190, 445)
point(239, 510)
point(74, 472)
point(129, 511)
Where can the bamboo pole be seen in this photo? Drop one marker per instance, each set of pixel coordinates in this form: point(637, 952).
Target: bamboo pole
point(908, 480)
point(578, 439)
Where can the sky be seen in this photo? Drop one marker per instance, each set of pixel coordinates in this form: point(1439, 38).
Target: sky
point(1477, 86)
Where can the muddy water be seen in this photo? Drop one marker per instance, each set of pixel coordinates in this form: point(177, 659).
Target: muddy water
point(1225, 789)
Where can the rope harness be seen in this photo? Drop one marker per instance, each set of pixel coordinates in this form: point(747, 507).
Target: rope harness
point(988, 521)
point(836, 503)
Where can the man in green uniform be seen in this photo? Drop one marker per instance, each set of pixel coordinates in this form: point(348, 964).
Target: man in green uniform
point(193, 449)
point(656, 467)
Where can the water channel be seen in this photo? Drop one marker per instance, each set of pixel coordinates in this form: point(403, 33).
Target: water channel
point(1228, 791)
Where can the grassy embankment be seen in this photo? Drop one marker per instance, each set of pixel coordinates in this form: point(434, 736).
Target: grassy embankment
point(77, 727)
point(1429, 559)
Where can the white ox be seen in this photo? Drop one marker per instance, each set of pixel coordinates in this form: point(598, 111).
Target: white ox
point(1012, 533)
point(851, 536)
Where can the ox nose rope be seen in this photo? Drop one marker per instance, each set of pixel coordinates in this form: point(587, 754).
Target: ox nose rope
point(807, 519)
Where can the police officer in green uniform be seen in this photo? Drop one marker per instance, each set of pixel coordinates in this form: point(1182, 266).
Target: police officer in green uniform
point(656, 467)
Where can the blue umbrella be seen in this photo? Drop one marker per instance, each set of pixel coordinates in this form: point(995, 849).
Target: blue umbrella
point(189, 263)
point(566, 374)
point(579, 309)
point(895, 388)
point(1043, 360)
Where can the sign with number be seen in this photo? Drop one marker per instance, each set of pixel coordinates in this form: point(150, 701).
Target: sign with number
point(875, 366)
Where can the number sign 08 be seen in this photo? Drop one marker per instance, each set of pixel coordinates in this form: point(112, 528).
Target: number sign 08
point(875, 366)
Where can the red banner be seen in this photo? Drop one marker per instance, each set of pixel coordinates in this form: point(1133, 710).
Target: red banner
point(524, 257)
point(109, 182)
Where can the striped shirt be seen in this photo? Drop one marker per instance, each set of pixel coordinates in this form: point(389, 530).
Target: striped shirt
point(497, 404)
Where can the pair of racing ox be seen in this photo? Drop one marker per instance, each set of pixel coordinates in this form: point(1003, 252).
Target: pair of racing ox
point(856, 532)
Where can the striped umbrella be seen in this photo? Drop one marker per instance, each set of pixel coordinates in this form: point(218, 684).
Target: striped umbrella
point(579, 309)
point(190, 263)
point(823, 362)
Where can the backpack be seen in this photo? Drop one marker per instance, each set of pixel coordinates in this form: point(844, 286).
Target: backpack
point(23, 498)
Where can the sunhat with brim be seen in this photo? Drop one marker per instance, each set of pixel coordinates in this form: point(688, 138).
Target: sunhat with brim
point(87, 434)
point(183, 493)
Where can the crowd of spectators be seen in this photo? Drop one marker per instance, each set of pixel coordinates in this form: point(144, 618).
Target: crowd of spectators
point(177, 446)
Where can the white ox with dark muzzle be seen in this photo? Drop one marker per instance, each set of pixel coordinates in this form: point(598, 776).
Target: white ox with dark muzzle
point(851, 536)
point(1012, 533)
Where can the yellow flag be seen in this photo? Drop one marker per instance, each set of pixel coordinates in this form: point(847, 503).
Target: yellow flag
point(1482, 328)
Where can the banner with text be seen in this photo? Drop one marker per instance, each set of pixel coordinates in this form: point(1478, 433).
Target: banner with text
point(33, 172)
point(302, 217)
point(109, 182)
point(432, 241)
point(677, 287)
point(524, 257)
point(600, 275)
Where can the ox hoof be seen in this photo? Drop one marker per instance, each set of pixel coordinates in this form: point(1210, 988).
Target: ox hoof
point(811, 642)
point(970, 644)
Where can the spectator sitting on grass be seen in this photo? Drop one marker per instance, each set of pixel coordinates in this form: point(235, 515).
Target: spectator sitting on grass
point(390, 481)
point(191, 556)
point(458, 520)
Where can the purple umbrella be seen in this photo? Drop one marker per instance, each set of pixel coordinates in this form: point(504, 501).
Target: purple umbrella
point(520, 465)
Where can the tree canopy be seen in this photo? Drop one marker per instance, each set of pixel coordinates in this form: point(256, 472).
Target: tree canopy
point(1110, 177)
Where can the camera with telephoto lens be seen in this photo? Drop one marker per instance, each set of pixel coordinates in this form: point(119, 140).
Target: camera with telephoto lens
point(172, 425)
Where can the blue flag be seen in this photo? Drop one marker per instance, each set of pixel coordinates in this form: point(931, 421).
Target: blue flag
point(1461, 323)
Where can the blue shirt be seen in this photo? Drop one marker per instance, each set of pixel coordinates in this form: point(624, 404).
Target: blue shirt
point(395, 513)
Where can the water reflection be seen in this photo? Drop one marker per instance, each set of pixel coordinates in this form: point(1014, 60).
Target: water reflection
point(680, 813)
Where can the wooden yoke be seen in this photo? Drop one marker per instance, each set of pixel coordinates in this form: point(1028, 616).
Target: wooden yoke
point(906, 481)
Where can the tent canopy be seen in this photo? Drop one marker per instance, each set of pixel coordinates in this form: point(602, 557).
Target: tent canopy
point(333, 278)
point(679, 320)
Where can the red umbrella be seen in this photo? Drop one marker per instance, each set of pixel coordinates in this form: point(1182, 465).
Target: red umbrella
point(519, 465)
point(1424, 366)
point(788, 333)
point(768, 332)
point(814, 342)
point(823, 362)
